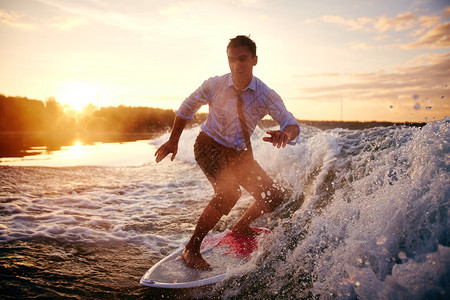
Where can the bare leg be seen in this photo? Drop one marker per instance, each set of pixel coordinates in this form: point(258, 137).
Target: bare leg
point(256, 181)
point(191, 253)
point(253, 212)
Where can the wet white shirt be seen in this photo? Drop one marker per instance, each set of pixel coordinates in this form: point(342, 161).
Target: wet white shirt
point(222, 123)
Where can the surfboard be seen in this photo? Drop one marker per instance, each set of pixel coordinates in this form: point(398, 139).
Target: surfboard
point(222, 251)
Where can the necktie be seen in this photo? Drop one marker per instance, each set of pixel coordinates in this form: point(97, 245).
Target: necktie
point(243, 124)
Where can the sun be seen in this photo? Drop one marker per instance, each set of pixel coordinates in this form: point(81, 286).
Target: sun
point(78, 94)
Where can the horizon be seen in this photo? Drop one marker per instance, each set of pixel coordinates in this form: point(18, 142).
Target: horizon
point(378, 61)
point(91, 107)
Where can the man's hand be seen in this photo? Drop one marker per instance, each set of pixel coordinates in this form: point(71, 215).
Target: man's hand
point(165, 149)
point(171, 146)
point(278, 138)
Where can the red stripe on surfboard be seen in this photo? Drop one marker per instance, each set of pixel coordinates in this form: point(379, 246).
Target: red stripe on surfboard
point(238, 246)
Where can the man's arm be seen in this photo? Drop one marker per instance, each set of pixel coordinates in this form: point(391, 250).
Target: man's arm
point(280, 138)
point(171, 146)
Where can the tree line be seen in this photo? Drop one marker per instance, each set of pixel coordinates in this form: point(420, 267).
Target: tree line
point(19, 114)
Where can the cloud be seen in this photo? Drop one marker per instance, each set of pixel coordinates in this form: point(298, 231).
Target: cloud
point(310, 20)
point(425, 75)
point(360, 46)
point(68, 22)
point(436, 37)
point(352, 24)
point(402, 22)
point(446, 12)
point(173, 9)
point(413, 92)
point(381, 24)
point(95, 11)
point(14, 20)
point(428, 30)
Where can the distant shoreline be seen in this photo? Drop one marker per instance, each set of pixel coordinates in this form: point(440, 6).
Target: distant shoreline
point(26, 143)
point(29, 127)
point(354, 125)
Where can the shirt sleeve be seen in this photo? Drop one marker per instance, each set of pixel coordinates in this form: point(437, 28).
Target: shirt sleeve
point(277, 110)
point(193, 103)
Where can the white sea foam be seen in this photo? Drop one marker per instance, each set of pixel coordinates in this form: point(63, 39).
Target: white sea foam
point(374, 222)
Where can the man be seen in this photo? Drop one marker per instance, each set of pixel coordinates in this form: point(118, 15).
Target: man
point(237, 102)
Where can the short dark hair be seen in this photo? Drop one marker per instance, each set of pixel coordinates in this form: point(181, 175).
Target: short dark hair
point(243, 40)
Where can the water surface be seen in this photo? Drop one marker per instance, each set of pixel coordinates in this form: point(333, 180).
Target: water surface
point(369, 216)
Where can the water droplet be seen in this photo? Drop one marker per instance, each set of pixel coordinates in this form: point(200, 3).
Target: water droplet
point(402, 255)
point(391, 106)
point(415, 97)
point(429, 107)
point(417, 106)
point(442, 97)
point(381, 240)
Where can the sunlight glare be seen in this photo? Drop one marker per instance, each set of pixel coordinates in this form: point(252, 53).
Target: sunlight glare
point(78, 94)
point(77, 150)
point(76, 146)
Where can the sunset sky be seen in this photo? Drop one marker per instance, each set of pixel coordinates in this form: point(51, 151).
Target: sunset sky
point(360, 60)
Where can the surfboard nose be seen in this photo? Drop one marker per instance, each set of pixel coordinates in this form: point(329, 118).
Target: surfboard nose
point(148, 281)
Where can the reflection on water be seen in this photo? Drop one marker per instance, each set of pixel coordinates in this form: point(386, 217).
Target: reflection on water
point(25, 144)
point(30, 143)
point(78, 149)
point(108, 150)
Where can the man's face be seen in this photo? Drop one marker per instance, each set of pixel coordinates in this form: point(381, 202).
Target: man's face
point(241, 63)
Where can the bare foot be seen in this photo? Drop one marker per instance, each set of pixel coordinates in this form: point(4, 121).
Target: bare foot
point(194, 260)
point(245, 231)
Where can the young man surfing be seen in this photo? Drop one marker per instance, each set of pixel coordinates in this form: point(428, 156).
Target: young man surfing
point(237, 102)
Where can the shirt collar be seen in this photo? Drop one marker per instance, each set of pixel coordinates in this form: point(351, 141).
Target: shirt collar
point(251, 85)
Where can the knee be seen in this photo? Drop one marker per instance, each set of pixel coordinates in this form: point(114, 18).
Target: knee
point(230, 197)
point(234, 194)
point(225, 200)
